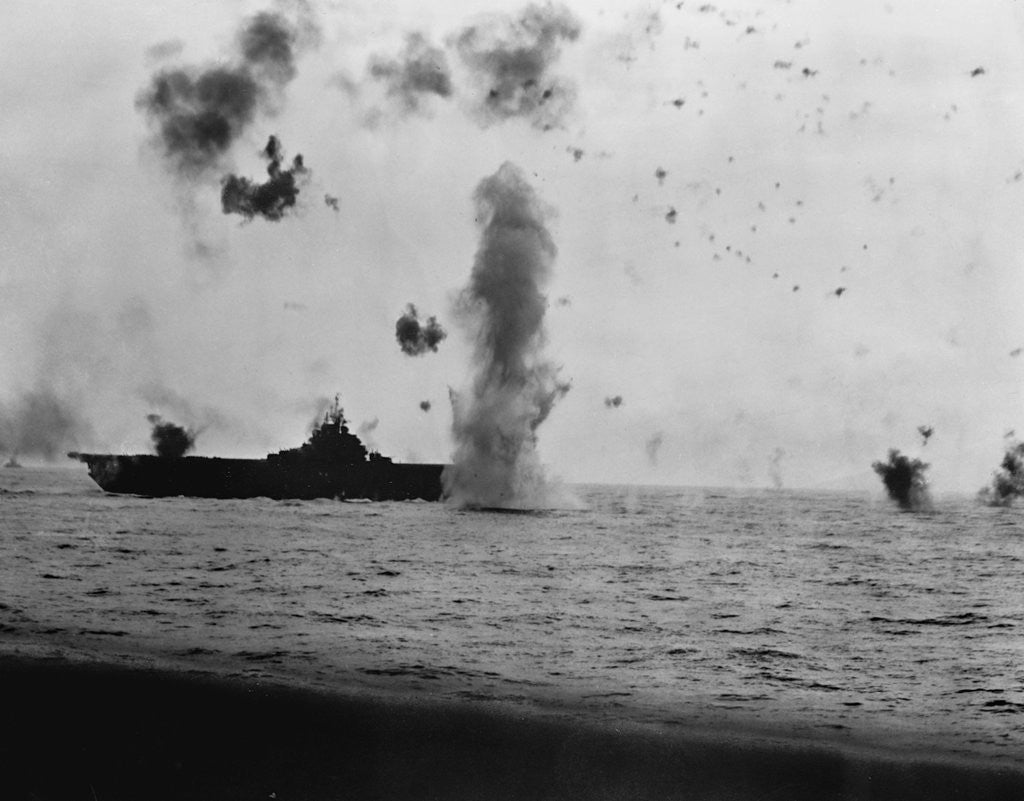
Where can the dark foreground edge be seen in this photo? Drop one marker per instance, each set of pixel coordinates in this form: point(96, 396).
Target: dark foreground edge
point(100, 733)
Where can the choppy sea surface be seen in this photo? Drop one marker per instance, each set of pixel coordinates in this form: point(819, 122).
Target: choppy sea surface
point(804, 613)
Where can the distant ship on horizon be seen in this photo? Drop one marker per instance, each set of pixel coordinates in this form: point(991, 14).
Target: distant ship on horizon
point(333, 463)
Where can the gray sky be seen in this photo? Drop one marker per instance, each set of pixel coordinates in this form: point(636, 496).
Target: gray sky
point(833, 145)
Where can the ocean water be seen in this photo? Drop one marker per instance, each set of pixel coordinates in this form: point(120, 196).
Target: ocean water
point(801, 613)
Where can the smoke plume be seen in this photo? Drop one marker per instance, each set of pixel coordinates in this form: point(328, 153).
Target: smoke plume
point(365, 432)
point(199, 113)
point(171, 441)
point(200, 417)
point(416, 339)
point(652, 446)
point(425, 405)
point(775, 467)
point(511, 58)
point(613, 403)
point(904, 480)
point(514, 388)
point(926, 433)
point(1008, 481)
point(420, 70)
point(39, 424)
point(271, 199)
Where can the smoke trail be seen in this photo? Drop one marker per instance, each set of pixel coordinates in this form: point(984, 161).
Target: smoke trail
point(170, 441)
point(40, 424)
point(514, 388)
point(416, 339)
point(420, 70)
point(1008, 481)
point(271, 199)
point(613, 403)
point(904, 480)
point(200, 113)
point(511, 58)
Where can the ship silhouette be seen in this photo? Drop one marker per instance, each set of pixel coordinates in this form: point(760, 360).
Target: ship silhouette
point(332, 463)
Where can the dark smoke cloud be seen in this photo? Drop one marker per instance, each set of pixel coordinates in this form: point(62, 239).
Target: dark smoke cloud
point(514, 389)
point(511, 58)
point(926, 433)
point(332, 202)
point(199, 113)
point(416, 339)
point(267, 46)
point(425, 405)
point(904, 480)
point(613, 403)
point(419, 71)
point(1008, 481)
point(271, 199)
point(171, 441)
point(39, 423)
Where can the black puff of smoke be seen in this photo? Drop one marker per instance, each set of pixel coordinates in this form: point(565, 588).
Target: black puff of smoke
point(1008, 481)
point(39, 423)
point(904, 480)
point(425, 405)
point(271, 199)
point(416, 339)
point(171, 441)
point(495, 463)
point(511, 58)
point(200, 113)
point(420, 70)
point(613, 403)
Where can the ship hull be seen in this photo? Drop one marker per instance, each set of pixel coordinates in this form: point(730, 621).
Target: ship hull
point(210, 477)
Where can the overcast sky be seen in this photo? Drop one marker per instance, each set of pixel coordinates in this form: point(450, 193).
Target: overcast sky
point(715, 175)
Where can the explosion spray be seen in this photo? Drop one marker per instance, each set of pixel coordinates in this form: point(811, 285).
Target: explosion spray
point(495, 463)
point(904, 480)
